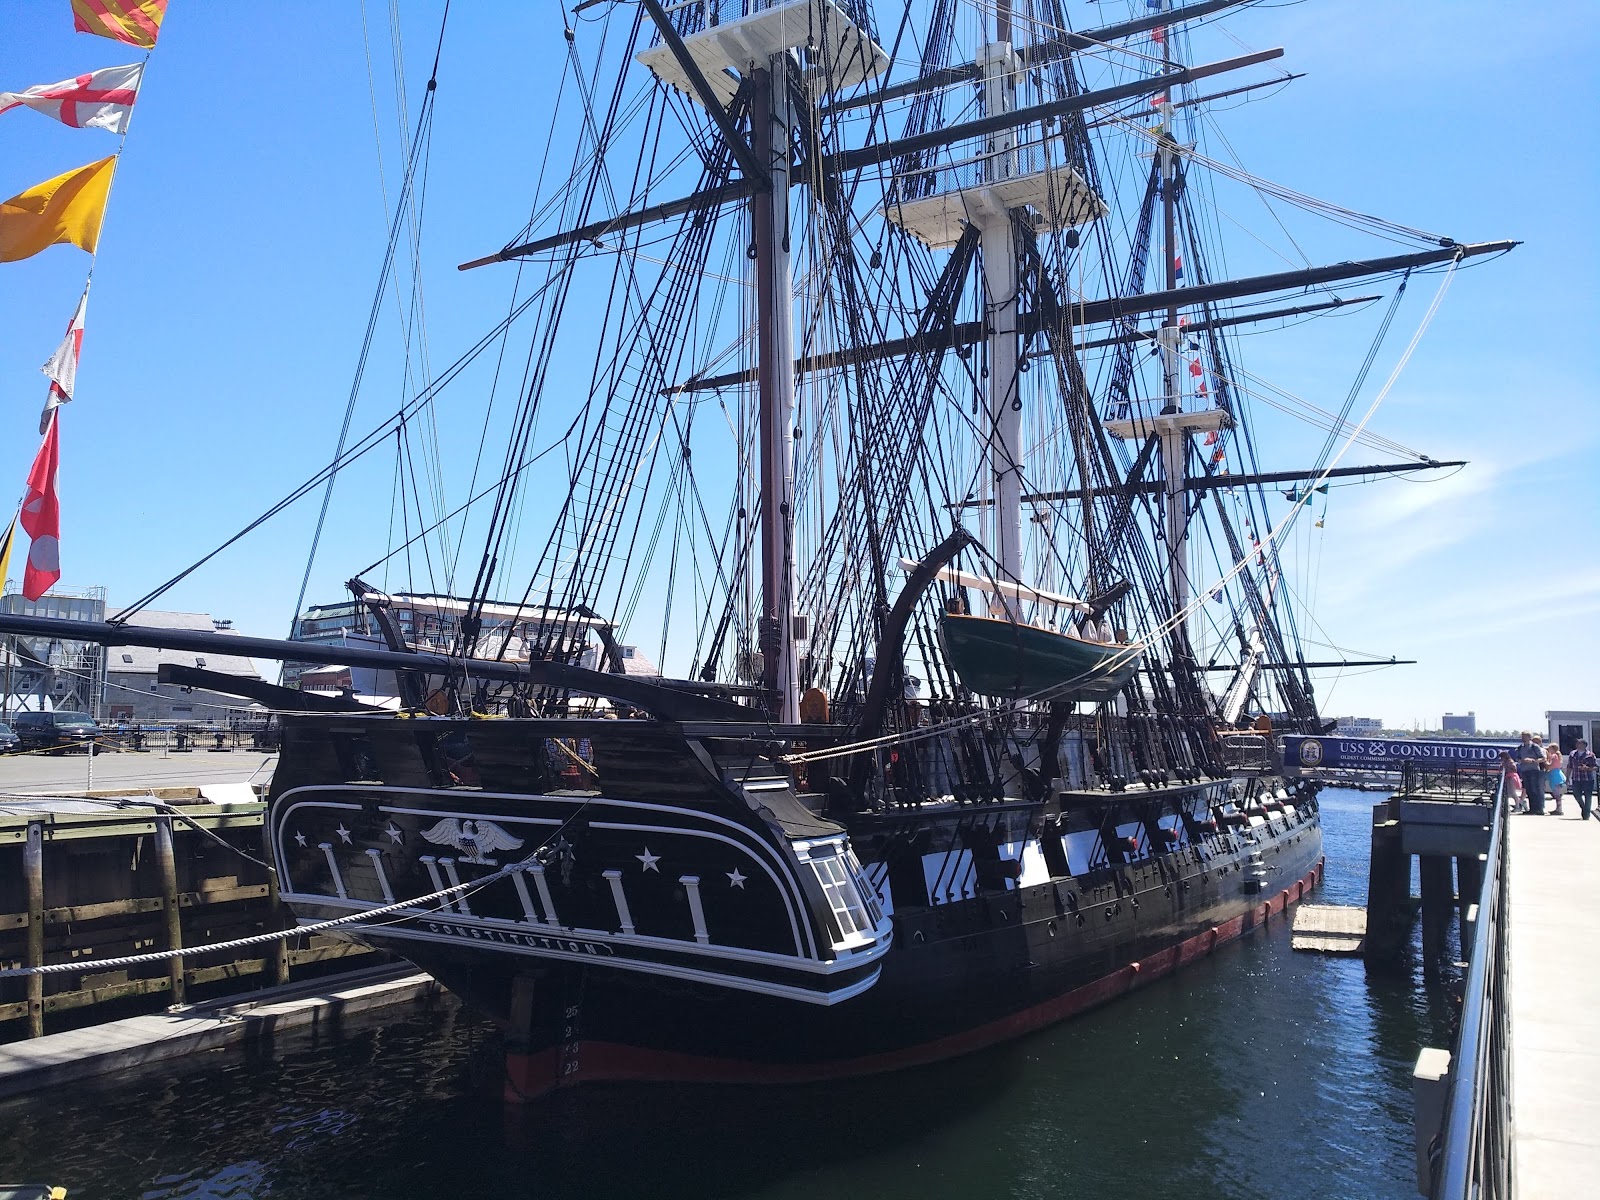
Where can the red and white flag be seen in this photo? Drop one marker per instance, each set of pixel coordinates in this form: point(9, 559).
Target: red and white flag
point(62, 366)
point(41, 517)
point(102, 99)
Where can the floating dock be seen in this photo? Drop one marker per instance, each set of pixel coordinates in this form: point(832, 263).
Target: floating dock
point(1329, 928)
point(78, 1054)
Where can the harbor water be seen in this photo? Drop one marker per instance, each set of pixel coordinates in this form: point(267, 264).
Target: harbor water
point(1255, 1073)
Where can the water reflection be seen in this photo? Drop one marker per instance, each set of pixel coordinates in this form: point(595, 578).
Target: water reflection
point(1258, 1072)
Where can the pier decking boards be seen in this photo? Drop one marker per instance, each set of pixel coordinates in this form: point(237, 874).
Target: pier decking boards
point(1554, 875)
point(1330, 928)
point(78, 1054)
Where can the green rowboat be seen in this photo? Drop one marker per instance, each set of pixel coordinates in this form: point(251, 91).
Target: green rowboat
point(1008, 659)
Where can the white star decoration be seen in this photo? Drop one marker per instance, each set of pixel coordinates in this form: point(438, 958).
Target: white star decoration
point(649, 860)
point(394, 834)
point(344, 834)
point(735, 879)
point(299, 839)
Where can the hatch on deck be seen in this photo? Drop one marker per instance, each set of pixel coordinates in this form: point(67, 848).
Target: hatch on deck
point(725, 48)
point(1055, 197)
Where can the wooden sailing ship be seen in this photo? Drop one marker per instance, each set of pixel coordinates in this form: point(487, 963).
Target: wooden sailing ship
point(905, 801)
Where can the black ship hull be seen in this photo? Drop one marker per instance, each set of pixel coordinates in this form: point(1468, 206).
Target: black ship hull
point(1027, 968)
point(658, 934)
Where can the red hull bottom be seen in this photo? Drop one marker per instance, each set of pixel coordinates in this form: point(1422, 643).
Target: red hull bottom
point(532, 1076)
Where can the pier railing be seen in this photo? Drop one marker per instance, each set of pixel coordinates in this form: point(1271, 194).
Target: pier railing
point(1454, 781)
point(1472, 1157)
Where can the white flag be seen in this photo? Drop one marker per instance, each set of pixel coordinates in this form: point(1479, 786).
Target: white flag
point(103, 98)
point(62, 366)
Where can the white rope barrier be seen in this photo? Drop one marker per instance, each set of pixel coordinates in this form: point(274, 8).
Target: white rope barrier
point(259, 939)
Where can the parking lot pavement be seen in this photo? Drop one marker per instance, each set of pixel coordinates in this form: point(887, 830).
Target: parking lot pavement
point(46, 774)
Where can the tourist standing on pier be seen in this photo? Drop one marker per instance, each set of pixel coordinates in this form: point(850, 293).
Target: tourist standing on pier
point(1530, 766)
point(1516, 798)
point(1581, 766)
point(1553, 762)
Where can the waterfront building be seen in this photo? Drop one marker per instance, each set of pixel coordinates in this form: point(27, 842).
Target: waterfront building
point(134, 693)
point(1458, 723)
point(432, 623)
point(43, 674)
point(117, 684)
point(1359, 726)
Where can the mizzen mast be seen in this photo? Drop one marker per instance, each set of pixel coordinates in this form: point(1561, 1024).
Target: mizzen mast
point(1171, 426)
point(711, 50)
point(772, 121)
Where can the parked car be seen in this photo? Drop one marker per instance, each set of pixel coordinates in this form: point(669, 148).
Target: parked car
point(54, 730)
point(8, 739)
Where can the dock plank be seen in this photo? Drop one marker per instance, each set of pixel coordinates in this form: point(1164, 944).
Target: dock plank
point(1554, 872)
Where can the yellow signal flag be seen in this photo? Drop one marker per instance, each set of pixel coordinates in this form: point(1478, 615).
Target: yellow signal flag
point(5, 552)
point(68, 208)
point(136, 22)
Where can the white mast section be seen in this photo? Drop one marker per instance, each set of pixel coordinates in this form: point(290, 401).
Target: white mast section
point(1003, 441)
point(706, 57)
point(775, 371)
point(1174, 437)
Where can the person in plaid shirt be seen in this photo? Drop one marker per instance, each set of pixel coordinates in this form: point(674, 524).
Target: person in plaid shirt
point(1581, 767)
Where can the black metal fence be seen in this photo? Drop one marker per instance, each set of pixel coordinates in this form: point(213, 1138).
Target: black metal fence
point(1454, 781)
point(1471, 1159)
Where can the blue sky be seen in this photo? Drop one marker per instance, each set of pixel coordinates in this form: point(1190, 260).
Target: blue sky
point(247, 223)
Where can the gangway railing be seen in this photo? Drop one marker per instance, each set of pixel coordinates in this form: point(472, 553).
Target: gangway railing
point(1471, 1157)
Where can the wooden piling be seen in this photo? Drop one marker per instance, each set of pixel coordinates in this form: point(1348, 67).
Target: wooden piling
point(167, 864)
point(33, 873)
point(1469, 886)
point(1388, 890)
point(278, 951)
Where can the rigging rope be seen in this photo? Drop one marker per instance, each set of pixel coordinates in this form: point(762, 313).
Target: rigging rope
point(418, 141)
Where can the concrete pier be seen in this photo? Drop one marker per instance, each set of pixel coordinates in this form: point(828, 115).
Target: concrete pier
point(1554, 870)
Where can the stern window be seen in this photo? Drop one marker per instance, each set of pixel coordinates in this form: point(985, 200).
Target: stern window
point(845, 899)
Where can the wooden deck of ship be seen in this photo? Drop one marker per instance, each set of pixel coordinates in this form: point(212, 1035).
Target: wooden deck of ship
point(1554, 876)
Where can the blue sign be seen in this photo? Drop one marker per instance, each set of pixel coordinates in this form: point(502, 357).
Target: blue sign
point(1387, 754)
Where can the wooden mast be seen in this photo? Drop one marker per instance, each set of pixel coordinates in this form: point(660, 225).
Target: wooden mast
point(772, 120)
point(1174, 440)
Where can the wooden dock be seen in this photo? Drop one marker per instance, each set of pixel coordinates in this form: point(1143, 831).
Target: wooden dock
point(1329, 928)
point(105, 874)
point(1554, 873)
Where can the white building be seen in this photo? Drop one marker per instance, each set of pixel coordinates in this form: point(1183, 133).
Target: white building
point(1359, 726)
point(133, 691)
point(1565, 728)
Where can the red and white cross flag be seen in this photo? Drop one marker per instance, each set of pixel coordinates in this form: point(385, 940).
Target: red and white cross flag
point(41, 517)
point(102, 99)
point(62, 366)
